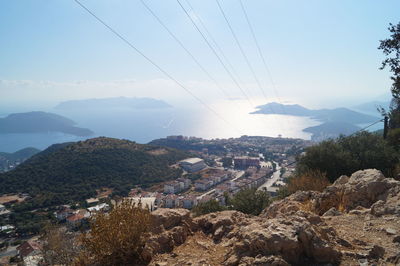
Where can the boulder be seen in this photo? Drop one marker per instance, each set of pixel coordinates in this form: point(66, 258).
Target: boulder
point(363, 188)
point(300, 200)
point(221, 223)
point(163, 218)
point(170, 228)
point(292, 238)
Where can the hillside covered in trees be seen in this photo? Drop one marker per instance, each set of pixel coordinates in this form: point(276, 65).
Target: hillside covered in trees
point(73, 171)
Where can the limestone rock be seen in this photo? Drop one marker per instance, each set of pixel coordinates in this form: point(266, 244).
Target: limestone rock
point(363, 188)
point(263, 261)
point(332, 212)
point(168, 218)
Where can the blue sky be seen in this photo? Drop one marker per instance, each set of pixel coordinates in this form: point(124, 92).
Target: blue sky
point(317, 51)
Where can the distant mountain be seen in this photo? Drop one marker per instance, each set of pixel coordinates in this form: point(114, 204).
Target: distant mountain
point(73, 171)
point(10, 160)
point(40, 122)
point(371, 107)
point(331, 130)
point(324, 115)
point(134, 103)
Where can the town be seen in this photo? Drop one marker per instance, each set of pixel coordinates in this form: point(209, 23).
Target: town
point(219, 168)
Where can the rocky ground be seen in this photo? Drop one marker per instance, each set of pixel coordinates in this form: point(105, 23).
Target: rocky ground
point(355, 221)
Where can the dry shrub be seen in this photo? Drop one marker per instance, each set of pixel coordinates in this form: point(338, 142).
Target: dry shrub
point(60, 247)
point(311, 180)
point(116, 238)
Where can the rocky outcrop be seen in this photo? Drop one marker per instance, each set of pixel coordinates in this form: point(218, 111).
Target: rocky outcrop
point(363, 188)
point(355, 220)
point(170, 228)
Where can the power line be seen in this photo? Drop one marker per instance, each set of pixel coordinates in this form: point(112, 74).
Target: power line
point(364, 128)
point(184, 48)
point(241, 48)
point(262, 56)
point(214, 42)
point(154, 64)
point(216, 54)
point(245, 56)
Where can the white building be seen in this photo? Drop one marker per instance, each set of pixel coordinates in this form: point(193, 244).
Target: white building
point(146, 203)
point(99, 207)
point(185, 182)
point(171, 201)
point(173, 187)
point(203, 184)
point(193, 164)
point(189, 202)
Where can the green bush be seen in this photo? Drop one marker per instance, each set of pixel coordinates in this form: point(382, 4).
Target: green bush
point(249, 201)
point(346, 155)
point(207, 207)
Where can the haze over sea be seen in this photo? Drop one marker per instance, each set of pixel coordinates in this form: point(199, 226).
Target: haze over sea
point(144, 125)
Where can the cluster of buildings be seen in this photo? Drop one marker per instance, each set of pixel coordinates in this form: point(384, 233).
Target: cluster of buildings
point(177, 185)
point(245, 162)
point(155, 200)
point(208, 181)
point(75, 218)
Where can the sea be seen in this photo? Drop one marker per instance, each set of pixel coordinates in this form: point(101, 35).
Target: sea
point(228, 118)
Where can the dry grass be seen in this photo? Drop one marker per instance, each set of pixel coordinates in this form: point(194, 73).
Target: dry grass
point(158, 152)
point(312, 180)
point(11, 198)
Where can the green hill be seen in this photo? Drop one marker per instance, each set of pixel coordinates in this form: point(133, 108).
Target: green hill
point(73, 171)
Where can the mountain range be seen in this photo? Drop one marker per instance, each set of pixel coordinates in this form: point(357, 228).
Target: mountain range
point(336, 122)
point(117, 102)
point(323, 115)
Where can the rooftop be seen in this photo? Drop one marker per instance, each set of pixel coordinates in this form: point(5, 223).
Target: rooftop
point(192, 160)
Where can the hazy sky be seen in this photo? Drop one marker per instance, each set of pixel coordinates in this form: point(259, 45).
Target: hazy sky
point(317, 51)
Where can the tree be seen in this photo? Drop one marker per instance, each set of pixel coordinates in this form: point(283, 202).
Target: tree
point(250, 201)
point(116, 238)
point(391, 48)
point(227, 162)
point(346, 155)
point(207, 207)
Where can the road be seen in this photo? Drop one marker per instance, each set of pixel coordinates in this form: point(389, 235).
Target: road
point(270, 181)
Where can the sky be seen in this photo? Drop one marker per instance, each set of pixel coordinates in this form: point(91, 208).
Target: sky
point(318, 52)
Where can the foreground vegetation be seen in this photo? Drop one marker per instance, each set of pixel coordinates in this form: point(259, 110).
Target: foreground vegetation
point(249, 201)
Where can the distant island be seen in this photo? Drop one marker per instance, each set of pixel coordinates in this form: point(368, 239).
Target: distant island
point(331, 130)
point(323, 115)
point(335, 121)
point(40, 122)
point(134, 103)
